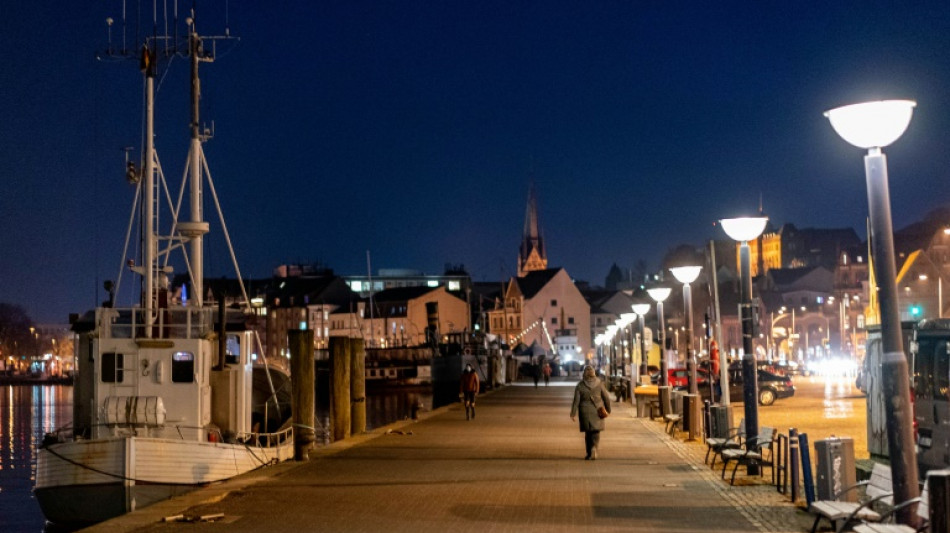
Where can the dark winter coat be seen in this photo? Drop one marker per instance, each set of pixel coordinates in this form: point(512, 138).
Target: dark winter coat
point(586, 401)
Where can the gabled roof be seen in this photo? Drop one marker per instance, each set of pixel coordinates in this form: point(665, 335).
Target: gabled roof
point(401, 294)
point(532, 282)
point(302, 291)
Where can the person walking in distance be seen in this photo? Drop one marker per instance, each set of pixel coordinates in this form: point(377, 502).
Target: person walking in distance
point(468, 389)
point(592, 403)
point(546, 370)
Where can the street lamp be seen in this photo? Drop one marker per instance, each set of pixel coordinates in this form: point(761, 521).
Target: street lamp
point(687, 275)
point(744, 229)
point(659, 295)
point(872, 126)
point(626, 320)
point(641, 310)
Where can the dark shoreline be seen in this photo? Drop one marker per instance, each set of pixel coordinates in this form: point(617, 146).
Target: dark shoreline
point(19, 379)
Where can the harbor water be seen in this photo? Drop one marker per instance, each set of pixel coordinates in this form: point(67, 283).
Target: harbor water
point(27, 412)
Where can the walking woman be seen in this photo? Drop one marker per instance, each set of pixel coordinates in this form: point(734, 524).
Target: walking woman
point(590, 396)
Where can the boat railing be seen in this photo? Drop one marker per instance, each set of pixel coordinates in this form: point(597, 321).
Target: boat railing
point(165, 323)
point(269, 440)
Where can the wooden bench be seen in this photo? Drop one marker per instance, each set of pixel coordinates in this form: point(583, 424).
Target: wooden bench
point(758, 451)
point(878, 489)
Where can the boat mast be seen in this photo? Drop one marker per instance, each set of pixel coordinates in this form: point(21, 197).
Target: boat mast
point(149, 239)
point(195, 157)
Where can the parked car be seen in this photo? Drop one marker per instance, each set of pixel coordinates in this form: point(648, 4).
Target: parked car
point(772, 386)
point(679, 377)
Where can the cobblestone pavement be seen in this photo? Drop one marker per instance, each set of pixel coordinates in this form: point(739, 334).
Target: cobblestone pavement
point(518, 467)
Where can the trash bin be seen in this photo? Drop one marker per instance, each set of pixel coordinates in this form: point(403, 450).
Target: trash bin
point(719, 422)
point(665, 405)
point(836, 468)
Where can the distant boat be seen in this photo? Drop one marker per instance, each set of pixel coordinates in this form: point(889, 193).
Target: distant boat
point(165, 398)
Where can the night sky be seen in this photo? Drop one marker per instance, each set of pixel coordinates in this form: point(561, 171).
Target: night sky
point(412, 130)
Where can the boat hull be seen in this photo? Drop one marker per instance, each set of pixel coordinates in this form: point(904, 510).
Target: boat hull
point(85, 482)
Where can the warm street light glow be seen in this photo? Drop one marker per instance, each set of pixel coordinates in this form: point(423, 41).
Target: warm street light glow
point(872, 124)
point(744, 229)
point(659, 294)
point(686, 274)
point(641, 309)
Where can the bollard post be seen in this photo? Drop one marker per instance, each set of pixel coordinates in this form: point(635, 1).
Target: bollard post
point(707, 425)
point(938, 483)
point(303, 391)
point(357, 387)
point(793, 460)
point(339, 388)
point(780, 465)
point(806, 468)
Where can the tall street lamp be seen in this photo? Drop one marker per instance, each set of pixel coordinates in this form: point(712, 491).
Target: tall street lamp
point(641, 310)
point(744, 230)
point(659, 295)
point(687, 275)
point(872, 126)
point(627, 320)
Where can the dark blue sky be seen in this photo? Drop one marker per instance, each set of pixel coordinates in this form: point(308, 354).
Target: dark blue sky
point(410, 129)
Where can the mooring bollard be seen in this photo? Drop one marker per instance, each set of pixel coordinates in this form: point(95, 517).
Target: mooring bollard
point(793, 460)
point(303, 391)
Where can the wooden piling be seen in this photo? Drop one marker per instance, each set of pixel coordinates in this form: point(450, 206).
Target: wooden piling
point(302, 381)
point(339, 388)
point(357, 387)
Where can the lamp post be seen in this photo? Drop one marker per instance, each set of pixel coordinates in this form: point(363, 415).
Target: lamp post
point(872, 126)
point(641, 310)
point(687, 275)
point(627, 320)
point(659, 295)
point(744, 230)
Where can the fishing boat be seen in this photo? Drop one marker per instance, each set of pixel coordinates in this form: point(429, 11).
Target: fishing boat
point(168, 396)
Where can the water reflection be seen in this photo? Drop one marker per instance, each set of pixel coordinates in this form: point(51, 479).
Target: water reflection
point(383, 406)
point(27, 412)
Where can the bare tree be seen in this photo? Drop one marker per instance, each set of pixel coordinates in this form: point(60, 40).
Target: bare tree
point(15, 335)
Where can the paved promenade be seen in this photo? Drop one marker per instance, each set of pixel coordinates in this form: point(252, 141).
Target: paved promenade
point(517, 467)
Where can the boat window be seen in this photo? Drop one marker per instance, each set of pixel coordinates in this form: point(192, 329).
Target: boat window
point(924, 371)
point(941, 370)
point(232, 349)
point(183, 367)
point(112, 364)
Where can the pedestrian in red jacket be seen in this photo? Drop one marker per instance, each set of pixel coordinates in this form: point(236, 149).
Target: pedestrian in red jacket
point(468, 389)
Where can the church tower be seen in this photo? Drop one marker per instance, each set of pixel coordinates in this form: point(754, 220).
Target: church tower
point(532, 256)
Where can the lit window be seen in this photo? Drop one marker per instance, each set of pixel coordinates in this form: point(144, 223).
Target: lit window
point(302, 326)
point(432, 283)
point(183, 367)
point(455, 286)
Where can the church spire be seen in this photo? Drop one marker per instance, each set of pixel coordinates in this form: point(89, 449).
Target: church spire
point(532, 256)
